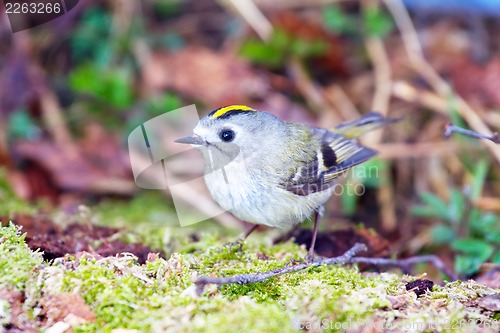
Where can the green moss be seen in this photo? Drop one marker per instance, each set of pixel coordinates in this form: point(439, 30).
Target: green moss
point(125, 295)
point(17, 261)
point(160, 295)
point(244, 315)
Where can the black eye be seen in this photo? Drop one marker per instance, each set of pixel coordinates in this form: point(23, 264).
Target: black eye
point(226, 135)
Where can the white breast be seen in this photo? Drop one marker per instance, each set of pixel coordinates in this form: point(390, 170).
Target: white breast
point(248, 194)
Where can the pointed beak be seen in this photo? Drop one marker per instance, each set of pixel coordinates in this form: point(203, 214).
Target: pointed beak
point(191, 140)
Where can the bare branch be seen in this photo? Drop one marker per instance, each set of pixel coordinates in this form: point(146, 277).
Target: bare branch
point(347, 258)
point(450, 128)
point(260, 277)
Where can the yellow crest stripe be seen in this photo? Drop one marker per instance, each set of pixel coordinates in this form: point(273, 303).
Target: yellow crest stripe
point(222, 111)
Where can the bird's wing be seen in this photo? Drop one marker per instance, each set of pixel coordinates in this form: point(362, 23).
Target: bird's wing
point(335, 156)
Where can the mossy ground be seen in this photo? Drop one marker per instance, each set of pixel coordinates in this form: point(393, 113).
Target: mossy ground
point(160, 295)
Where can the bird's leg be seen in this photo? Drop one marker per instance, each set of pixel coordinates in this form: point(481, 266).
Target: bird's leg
point(310, 254)
point(241, 238)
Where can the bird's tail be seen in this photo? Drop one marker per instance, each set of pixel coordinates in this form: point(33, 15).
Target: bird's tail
point(362, 125)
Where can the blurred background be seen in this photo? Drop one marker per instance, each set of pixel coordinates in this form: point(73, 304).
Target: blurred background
point(73, 89)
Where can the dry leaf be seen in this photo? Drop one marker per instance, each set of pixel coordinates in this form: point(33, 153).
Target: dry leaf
point(216, 78)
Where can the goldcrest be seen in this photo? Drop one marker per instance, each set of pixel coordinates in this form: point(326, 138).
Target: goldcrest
point(270, 172)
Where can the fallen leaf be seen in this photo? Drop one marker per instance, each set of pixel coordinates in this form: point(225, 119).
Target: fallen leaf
point(217, 78)
point(57, 308)
point(490, 302)
point(477, 83)
point(97, 164)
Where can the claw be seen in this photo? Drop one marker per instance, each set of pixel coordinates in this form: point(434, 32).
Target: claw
point(240, 240)
point(293, 262)
point(309, 257)
point(230, 245)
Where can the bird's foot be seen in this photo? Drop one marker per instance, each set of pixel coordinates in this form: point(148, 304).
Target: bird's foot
point(309, 257)
point(293, 262)
point(237, 243)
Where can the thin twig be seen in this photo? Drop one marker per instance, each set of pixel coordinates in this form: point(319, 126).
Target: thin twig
point(383, 86)
point(260, 277)
point(408, 32)
point(252, 15)
point(450, 128)
point(405, 91)
point(307, 87)
point(422, 66)
point(382, 71)
point(490, 204)
point(294, 4)
point(404, 264)
point(53, 116)
point(347, 258)
point(337, 97)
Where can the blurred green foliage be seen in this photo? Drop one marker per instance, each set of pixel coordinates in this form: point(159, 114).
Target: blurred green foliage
point(280, 46)
point(109, 87)
point(372, 174)
point(105, 69)
point(103, 73)
point(376, 22)
point(468, 160)
point(91, 39)
point(166, 8)
point(472, 233)
point(335, 19)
